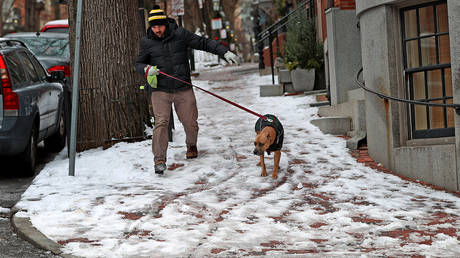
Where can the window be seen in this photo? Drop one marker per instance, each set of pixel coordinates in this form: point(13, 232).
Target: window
point(38, 67)
point(28, 67)
point(426, 53)
point(47, 46)
point(17, 75)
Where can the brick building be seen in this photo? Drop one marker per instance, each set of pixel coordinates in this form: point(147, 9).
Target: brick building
point(408, 50)
point(30, 15)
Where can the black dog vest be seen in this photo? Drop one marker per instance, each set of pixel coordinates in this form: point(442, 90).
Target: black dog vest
point(274, 122)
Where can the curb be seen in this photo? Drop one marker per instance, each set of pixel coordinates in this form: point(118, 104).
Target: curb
point(27, 231)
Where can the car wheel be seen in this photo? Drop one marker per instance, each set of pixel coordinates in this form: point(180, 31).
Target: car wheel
point(56, 142)
point(29, 156)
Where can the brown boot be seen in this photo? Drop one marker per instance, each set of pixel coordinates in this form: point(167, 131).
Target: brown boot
point(192, 152)
point(160, 167)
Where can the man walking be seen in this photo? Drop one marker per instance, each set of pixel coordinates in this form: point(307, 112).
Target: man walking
point(164, 48)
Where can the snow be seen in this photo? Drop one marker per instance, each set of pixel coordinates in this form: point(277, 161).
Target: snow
point(218, 204)
point(4, 210)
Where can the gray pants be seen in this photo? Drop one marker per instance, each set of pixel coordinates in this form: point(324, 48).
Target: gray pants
point(185, 106)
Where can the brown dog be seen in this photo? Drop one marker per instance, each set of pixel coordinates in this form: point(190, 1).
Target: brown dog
point(270, 136)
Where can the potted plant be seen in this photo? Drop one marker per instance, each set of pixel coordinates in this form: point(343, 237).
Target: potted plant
point(303, 54)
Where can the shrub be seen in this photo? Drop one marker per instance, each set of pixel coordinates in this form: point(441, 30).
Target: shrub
point(282, 7)
point(301, 46)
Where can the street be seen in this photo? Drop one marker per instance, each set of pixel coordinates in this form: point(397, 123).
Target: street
point(11, 188)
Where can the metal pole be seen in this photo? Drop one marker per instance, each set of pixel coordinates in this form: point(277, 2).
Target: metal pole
point(180, 20)
point(270, 42)
point(76, 71)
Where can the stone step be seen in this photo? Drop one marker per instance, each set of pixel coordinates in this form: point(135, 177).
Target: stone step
point(315, 92)
point(338, 125)
point(320, 104)
point(271, 90)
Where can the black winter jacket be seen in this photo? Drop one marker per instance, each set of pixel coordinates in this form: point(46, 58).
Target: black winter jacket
point(169, 54)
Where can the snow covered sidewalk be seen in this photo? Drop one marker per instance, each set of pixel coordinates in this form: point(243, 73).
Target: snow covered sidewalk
point(323, 203)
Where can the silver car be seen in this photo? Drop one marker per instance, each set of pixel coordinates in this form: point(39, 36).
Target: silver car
point(31, 105)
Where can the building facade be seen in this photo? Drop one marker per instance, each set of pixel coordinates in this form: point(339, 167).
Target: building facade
point(22, 15)
point(411, 50)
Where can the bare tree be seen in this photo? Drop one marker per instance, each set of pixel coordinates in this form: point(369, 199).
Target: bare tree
point(229, 7)
point(193, 16)
point(111, 107)
point(57, 13)
point(32, 15)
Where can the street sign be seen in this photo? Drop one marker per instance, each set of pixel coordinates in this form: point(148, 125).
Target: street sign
point(223, 34)
point(177, 7)
point(216, 23)
point(216, 5)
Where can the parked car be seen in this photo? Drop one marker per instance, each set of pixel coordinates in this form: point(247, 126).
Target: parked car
point(53, 52)
point(61, 26)
point(51, 49)
point(31, 105)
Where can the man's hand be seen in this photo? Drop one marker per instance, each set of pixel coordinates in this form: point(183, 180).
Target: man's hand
point(231, 58)
point(151, 73)
point(150, 70)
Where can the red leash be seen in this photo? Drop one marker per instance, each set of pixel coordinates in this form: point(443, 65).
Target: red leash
point(217, 96)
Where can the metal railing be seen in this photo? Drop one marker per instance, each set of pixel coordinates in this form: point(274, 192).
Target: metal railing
point(271, 32)
point(361, 84)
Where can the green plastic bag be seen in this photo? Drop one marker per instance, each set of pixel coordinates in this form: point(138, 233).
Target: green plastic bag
point(152, 80)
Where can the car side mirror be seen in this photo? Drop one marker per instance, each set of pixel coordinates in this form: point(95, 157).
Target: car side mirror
point(57, 76)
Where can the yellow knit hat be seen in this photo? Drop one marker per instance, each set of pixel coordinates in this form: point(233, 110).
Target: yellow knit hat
point(157, 16)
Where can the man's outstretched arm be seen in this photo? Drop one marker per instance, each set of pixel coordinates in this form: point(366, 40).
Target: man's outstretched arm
point(212, 46)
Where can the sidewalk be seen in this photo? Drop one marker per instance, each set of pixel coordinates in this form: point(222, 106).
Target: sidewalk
point(324, 202)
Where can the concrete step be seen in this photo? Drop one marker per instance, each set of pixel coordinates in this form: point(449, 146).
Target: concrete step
point(271, 90)
point(320, 104)
point(338, 125)
point(289, 88)
point(315, 92)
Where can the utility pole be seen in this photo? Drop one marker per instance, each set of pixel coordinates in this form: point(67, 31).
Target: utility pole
point(76, 71)
point(257, 30)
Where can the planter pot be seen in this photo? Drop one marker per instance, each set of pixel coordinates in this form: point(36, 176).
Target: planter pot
point(303, 79)
point(284, 76)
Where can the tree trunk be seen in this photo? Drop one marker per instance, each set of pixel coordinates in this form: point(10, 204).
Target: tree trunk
point(57, 13)
point(31, 22)
point(111, 105)
point(1, 17)
point(229, 8)
point(193, 17)
point(208, 14)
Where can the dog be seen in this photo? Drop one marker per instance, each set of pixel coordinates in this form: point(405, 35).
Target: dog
point(270, 136)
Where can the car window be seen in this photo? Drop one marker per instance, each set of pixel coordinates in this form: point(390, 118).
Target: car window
point(28, 67)
point(38, 67)
point(17, 75)
point(44, 46)
point(57, 30)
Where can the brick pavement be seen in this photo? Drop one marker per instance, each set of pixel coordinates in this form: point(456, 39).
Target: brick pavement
point(324, 235)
